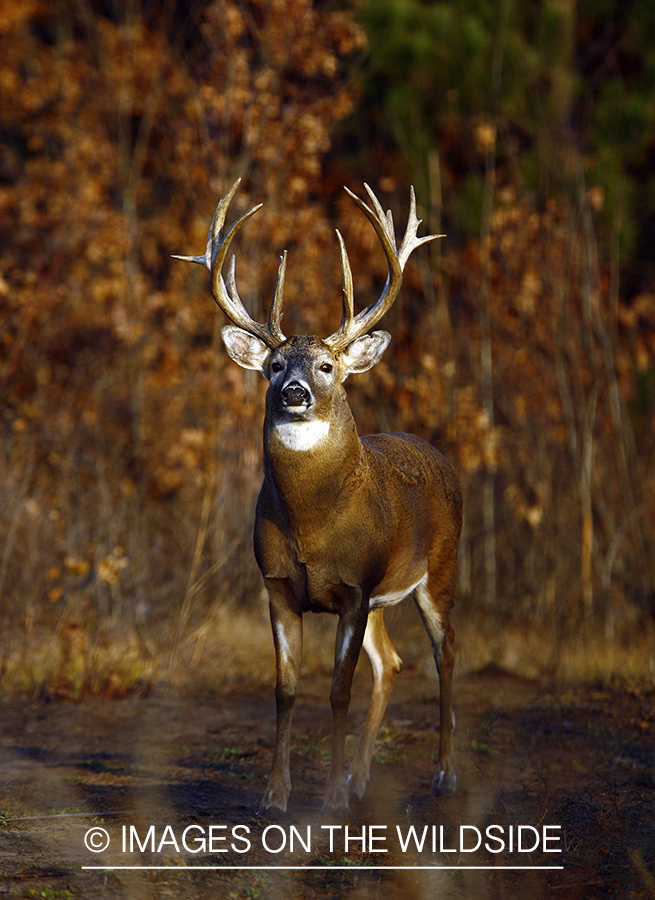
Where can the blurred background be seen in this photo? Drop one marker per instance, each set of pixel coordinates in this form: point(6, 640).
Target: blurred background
point(523, 343)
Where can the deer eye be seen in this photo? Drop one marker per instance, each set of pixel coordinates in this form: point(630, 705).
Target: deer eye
point(276, 366)
point(326, 367)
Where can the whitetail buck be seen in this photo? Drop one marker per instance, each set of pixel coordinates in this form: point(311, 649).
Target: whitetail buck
point(343, 525)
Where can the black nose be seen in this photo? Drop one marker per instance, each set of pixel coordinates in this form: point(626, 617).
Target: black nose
point(294, 394)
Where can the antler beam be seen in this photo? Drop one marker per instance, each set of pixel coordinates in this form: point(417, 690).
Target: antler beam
point(226, 296)
point(354, 326)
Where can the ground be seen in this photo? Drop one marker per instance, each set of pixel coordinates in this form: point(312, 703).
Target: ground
point(579, 762)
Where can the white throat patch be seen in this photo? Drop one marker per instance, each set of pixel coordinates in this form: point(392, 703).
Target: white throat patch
point(302, 435)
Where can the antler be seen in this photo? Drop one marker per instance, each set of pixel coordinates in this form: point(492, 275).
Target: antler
point(227, 297)
point(354, 326)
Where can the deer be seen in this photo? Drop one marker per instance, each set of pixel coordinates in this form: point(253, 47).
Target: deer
point(343, 524)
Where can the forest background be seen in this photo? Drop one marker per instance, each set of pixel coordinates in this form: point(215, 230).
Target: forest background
point(523, 343)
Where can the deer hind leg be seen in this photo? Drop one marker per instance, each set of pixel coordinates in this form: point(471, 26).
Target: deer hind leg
point(434, 597)
point(385, 667)
point(287, 636)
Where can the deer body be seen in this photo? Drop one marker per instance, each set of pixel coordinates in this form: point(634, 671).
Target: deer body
point(323, 526)
point(343, 525)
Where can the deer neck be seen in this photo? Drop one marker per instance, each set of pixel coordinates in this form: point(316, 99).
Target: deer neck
point(308, 463)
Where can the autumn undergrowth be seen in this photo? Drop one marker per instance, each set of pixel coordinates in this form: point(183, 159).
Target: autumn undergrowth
point(144, 597)
point(227, 648)
point(107, 590)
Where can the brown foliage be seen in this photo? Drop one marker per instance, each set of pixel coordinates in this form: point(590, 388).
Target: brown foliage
point(118, 412)
point(130, 457)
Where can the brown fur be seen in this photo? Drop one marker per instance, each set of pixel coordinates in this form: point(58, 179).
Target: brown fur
point(337, 525)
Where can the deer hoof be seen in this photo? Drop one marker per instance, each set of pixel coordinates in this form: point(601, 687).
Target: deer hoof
point(336, 798)
point(273, 799)
point(444, 784)
point(357, 784)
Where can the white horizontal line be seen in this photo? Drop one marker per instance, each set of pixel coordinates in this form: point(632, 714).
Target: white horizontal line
point(326, 868)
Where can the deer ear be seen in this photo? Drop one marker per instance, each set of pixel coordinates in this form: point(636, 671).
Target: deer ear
point(245, 349)
point(366, 351)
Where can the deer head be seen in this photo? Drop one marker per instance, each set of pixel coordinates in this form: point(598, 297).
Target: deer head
point(264, 347)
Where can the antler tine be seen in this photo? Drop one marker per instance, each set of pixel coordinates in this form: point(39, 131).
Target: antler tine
point(411, 240)
point(227, 297)
point(385, 219)
point(348, 294)
point(275, 314)
point(353, 326)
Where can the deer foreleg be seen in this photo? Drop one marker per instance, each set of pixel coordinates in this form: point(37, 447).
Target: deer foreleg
point(350, 634)
point(287, 636)
point(385, 666)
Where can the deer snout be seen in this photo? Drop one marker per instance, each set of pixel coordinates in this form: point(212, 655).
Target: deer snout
point(295, 394)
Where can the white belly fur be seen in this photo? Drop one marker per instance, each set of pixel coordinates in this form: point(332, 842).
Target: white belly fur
point(396, 596)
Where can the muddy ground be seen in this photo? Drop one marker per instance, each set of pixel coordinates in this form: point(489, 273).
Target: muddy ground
point(580, 762)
